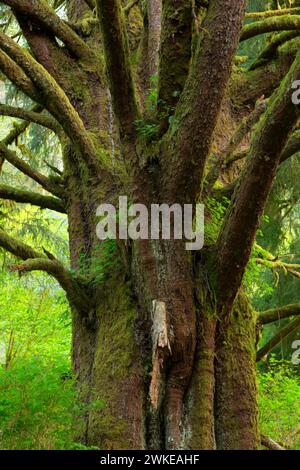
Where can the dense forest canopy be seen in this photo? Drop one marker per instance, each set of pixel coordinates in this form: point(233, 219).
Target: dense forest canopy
point(140, 344)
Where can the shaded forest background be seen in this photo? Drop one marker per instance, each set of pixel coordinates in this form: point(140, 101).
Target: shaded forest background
point(39, 408)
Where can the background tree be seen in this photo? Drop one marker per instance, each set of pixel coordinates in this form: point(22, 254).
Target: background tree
point(165, 337)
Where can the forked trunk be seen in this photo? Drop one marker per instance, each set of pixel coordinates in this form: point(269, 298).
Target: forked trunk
point(166, 382)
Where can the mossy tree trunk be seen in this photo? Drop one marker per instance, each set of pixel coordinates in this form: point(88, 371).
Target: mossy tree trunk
point(190, 400)
point(164, 337)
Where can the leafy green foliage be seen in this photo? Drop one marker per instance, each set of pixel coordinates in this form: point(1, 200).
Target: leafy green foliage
point(149, 127)
point(279, 404)
point(215, 212)
point(39, 405)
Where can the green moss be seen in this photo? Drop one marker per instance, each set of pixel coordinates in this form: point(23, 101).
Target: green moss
point(115, 364)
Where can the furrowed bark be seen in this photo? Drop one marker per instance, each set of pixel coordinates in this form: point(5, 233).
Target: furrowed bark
point(238, 233)
point(201, 398)
point(30, 197)
point(175, 51)
point(279, 313)
point(236, 396)
point(154, 20)
point(118, 67)
point(199, 105)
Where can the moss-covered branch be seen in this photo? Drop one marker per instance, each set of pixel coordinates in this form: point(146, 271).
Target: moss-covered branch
point(279, 313)
point(292, 147)
point(280, 23)
point(275, 265)
point(17, 247)
point(238, 233)
point(22, 166)
point(248, 86)
point(118, 66)
point(55, 100)
point(30, 197)
point(270, 444)
point(197, 112)
point(270, 51)
point(19, 129)
point(283, 333)
point(32, 116)
point(42, 13)
point(35, 261)
point(269, 13)
point(18, 77)
point(227, 156)
point(175, 51)
point(154, 35)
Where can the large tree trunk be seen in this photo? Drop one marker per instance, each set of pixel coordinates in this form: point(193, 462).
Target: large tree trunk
point(197, 393)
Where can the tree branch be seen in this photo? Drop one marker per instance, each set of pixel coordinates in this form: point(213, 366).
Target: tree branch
point(35, 261)
point(15, 132)
point(270, 443)
point(237, 236)
point(281, 23)
point(154, 35)
point(18, 77)
point(279, 313)
point(32, 116)
point(275, 264)
point(271, 50)
point(40, 11)
point(175, 51)
point(55, 100)
point(269, 13)
point(118, 66)
point(283, 333)
point(292, 147)
point(225, 156)
point(200, 104)
point(22, 166)
point(17, 247)
point(30, 197)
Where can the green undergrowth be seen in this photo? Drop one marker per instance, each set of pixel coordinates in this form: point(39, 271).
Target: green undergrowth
point(39, 404)
point(279, 403)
